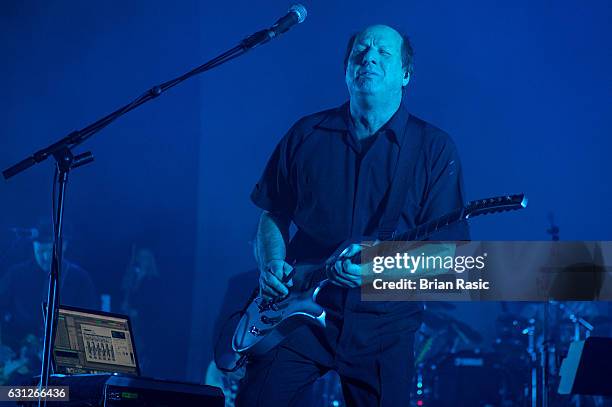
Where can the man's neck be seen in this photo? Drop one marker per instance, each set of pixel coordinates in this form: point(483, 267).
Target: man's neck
point(370, 114)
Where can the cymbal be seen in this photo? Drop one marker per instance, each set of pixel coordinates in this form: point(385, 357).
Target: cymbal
point(440, 321)
point(464, 329)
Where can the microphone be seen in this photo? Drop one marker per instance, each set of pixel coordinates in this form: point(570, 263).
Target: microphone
point(25, 233)
point(295, 15)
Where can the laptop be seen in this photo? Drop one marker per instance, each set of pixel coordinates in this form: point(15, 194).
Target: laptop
point(93, 342)
point(94, 355)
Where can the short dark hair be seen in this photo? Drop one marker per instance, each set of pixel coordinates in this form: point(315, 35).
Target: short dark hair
point(407, 52)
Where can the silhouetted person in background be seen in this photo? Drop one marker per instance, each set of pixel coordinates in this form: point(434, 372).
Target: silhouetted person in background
point(142, 291)
point(23, 288)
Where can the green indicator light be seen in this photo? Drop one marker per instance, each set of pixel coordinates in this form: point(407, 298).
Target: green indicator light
point(128, 395)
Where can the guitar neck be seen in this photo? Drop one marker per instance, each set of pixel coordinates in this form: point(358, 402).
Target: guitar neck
point(427, 229)
point(399, 242)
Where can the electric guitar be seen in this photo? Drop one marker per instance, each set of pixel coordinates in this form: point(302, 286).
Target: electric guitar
point(265, 324)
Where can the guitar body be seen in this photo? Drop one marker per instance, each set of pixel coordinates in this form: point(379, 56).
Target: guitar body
point(265, 325)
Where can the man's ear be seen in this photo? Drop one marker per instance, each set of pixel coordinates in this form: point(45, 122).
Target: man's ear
point(406, 78)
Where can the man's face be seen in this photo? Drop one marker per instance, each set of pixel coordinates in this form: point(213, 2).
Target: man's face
point(375, 63)
point(43, 251)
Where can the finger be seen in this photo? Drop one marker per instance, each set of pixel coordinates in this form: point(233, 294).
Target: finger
point(274, 290)
point(287, 270)
point(334, 282)
point(265, 290)
point(351, 277)
point(276, 270)
point(353, 250)
point(347, 267)
point(350, 251)
point(269, 292)
point(342, 284)
point(341, 278)
point(335, 269)
point(280, 272)
point(351, 272)
point(276, 284)
point(343, 281)
point(351, 269)
point(266, 295)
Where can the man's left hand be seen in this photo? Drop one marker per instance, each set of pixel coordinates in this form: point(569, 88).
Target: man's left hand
point(345, 273)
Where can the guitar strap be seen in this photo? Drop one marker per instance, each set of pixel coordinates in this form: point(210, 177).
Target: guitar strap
point(403, 177)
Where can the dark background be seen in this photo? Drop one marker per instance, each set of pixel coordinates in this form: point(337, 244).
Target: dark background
point(523, 87)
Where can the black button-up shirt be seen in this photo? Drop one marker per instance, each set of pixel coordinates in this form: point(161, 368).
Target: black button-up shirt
point(320, 178)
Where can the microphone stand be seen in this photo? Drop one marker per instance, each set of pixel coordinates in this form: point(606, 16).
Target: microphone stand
point(546, 339)
point(61, 151)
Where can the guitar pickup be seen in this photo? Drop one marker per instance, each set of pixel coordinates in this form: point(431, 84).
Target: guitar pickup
point(267, 320)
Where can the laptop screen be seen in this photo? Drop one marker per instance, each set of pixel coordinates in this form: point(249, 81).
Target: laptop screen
point(93, 342)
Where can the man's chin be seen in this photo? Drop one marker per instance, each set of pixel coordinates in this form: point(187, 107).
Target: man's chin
point(367, 91)
point(366, 85)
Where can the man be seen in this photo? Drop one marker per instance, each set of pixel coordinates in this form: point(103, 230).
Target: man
point(329, 176)
point(142, 287)
point(24, 287)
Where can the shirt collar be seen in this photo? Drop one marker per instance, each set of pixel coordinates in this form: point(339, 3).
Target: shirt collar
point(339, 120)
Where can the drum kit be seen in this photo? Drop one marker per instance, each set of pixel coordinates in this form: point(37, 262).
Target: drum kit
point(519, 368)
point(455, 366)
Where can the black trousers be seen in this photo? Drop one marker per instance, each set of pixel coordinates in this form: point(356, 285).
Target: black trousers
point(369, 344)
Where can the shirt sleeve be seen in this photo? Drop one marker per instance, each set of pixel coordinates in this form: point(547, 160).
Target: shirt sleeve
point(273, 192)
point(445, 190)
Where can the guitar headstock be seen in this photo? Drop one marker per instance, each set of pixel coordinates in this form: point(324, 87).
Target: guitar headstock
point(494, 205)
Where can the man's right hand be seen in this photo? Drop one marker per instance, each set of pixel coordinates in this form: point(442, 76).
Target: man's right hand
point(271, 276)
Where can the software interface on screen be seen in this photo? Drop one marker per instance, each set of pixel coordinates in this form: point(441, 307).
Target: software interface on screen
point(92, 343)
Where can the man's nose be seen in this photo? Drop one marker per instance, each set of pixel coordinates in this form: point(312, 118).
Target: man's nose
point(370, 56)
